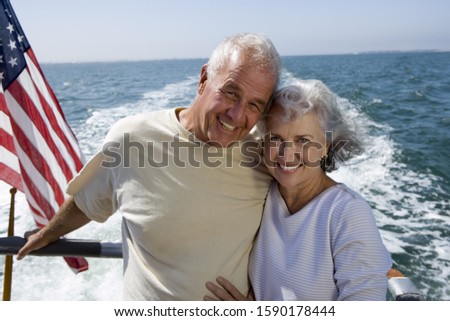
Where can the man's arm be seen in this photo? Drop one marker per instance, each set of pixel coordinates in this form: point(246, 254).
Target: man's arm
point(68, 219)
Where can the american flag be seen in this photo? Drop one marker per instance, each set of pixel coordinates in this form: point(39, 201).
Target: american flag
point(39, 153)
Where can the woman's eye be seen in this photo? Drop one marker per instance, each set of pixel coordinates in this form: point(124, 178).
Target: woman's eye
point(274, 138)
point(303, 140)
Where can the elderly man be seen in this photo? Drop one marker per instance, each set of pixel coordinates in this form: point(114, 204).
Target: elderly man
point(191, 202)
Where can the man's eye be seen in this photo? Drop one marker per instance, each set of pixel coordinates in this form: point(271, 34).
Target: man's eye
point(231, 94)
point(255, 107)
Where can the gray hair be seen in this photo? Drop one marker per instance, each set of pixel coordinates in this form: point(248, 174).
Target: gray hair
point(313, 96)
point(257, 50)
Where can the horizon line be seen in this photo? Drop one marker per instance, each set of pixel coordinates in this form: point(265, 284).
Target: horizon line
point(286, 55)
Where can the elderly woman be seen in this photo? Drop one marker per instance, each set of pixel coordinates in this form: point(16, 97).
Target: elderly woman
point(318, 239)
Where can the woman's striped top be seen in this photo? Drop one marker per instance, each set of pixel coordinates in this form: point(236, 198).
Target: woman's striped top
point(329, 250)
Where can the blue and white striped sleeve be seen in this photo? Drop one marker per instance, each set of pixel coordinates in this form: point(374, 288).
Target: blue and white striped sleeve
point(361, 259)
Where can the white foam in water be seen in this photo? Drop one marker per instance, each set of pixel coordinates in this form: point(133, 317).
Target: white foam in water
point(375, 175)
point(383, 181)
point(49, 278)
point(172, 94)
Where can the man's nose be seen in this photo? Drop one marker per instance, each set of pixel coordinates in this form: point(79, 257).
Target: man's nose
point(237, 113)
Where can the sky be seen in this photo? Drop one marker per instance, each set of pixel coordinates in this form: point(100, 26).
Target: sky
point(110, 30)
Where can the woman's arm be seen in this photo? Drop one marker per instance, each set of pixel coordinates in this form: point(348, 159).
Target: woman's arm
point(360, 257)
point(226, 291)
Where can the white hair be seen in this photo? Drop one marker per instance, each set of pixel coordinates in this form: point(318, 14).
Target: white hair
point(257, 51)
point(313, 96)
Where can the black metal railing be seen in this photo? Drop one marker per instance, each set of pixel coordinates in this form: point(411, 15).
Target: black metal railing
point(64, 247)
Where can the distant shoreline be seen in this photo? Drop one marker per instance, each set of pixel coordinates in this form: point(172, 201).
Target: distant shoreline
point(401, 51)
point(288, 55)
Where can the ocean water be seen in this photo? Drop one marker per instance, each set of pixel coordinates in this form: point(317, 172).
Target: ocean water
point(401, 102)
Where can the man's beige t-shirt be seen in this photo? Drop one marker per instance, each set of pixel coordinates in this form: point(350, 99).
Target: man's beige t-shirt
point(190, 211)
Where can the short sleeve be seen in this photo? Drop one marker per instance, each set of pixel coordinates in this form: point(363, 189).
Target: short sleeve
point(361, 259)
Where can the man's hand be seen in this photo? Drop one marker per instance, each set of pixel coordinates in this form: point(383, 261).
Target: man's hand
point(35, 241)
point(68, 219)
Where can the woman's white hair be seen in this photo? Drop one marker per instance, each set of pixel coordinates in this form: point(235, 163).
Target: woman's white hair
point(313, 96)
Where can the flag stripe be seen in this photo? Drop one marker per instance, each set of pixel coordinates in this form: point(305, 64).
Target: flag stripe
point(38, 217)
point(20, 120)
point(31, 58)
point(9, 163)
point(27, 105)
point(53, 111)
point(45, 188)
point(10, 159)
point(40, 194)
point(35, 160)
point(8, 174)
point(7, 141)
point(4, 118)
point(3, 107)
point(71, 157)
point(35, 191)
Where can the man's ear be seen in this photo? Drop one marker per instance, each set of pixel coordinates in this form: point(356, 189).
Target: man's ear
point(203, 78)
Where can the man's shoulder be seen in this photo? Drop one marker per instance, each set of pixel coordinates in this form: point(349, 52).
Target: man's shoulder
point(139, 124)
point(145, 118)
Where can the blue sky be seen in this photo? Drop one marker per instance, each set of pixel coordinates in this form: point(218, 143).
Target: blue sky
point(107, 30)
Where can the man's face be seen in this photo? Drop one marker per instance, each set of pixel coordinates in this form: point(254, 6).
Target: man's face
point(231, 103)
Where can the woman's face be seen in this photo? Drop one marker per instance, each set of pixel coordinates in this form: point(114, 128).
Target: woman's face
point(293, 150)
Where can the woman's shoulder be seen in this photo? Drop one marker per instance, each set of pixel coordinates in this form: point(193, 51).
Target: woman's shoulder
point(345, 198)
point(349, 193)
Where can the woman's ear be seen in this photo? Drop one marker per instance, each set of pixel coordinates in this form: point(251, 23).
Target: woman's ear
point(328, 141)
